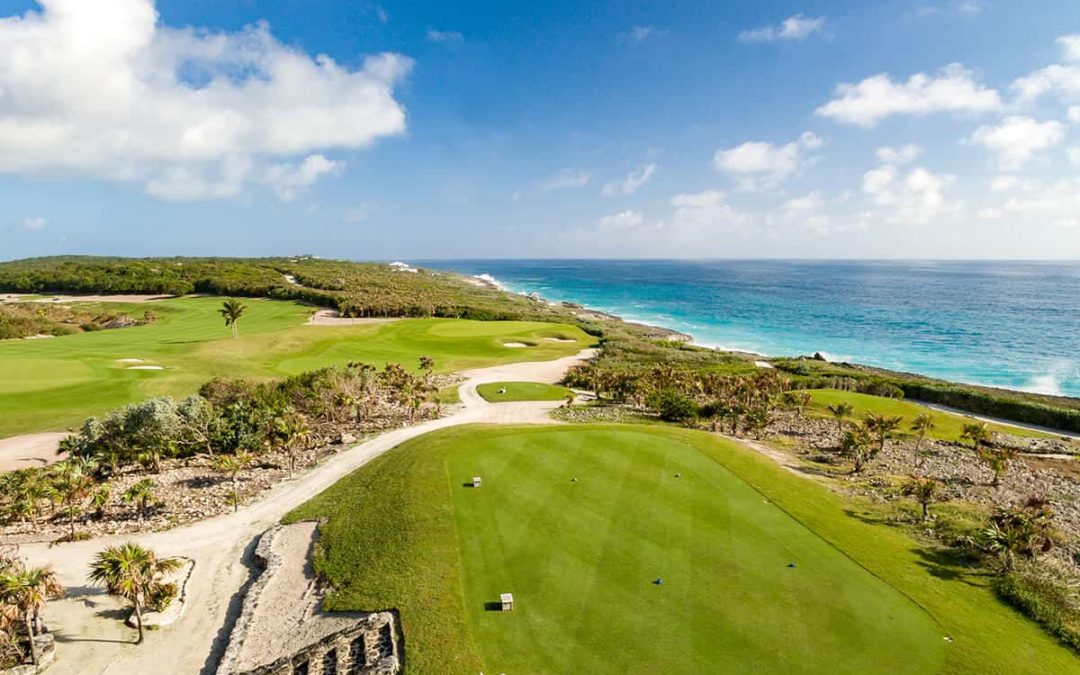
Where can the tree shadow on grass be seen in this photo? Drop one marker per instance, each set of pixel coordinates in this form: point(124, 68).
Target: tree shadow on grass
point(950, 565)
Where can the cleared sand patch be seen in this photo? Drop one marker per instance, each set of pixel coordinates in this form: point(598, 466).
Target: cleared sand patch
point(287, 615)
point(23, 452)
point(329, 317)
point(516, 345)
point(763, 364)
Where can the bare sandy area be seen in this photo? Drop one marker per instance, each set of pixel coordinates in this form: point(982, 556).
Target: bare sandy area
point(329, 317)
point(145, 368)
point(515, 345)
point(28, 297)
point(288, 616)
point(92, 640)
point(27, 450)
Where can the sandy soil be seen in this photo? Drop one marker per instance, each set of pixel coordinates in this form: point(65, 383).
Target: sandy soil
point(287, 617)
point(23, 297)
point(91, 638)
point(22, 452)
point(329, 317)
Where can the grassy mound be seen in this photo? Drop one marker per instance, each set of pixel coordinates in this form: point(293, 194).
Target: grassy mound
point(51, 384)
point(521, 391)
point(581, 556)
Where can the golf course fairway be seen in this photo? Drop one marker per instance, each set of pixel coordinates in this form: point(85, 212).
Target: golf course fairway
point(628, 549)
point(51, 384)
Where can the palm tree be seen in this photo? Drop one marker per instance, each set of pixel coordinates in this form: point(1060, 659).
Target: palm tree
point(922, 424)
point(925, 492)
point(881, 427)
point(841, 411)
point(133, 573)
point(231, 466)
point(27, 590)
point(142, 495)
point(72, 480)
point(977, 433)
point(856, 444)
point(998, 459)
point(231, 310)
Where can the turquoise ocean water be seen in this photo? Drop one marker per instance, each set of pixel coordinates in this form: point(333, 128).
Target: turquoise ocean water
point(1006, 324)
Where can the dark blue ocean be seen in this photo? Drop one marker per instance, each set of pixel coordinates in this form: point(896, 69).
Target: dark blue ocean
point(1006, 324)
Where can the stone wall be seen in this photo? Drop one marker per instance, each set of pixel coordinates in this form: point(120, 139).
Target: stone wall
point(368, 648)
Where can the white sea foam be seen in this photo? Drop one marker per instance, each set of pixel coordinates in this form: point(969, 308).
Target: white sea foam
point(488, 279)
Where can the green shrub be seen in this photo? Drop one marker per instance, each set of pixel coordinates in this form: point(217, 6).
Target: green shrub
point(1040, 592)
point(673, 406)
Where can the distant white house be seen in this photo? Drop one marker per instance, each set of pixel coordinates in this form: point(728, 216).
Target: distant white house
point(399, 266)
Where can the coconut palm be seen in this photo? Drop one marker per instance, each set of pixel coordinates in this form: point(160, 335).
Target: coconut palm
point(998, 459)
point(925, 491)
point(141, 494)
point(28, 590)
point(133, 573)
point(881, 427)
point(922, 424)
point(841, 411)
point(231, 466)
point(72, 481)
point(977, 433)
point(231, 310)
point(855, 443)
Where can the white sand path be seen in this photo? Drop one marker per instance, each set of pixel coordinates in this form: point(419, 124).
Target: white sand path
point(92, 640)
point(27, 450)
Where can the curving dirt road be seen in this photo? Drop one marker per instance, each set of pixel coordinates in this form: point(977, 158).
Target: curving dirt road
point(92, 640)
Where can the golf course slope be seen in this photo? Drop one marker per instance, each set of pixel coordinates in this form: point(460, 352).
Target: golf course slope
point(760, 570)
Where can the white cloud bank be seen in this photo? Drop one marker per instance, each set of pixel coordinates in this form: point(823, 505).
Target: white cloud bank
point(102, 89)
point(759, 164)
point(798, 27)
point(952, 89)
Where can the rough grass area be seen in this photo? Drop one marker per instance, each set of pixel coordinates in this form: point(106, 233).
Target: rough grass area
point(948, 426)
point(52, 384)
point(521, 391)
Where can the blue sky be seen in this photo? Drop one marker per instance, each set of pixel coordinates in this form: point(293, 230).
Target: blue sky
point(939, 129)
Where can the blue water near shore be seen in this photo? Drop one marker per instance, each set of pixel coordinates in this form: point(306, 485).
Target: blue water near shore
point(1006, 324)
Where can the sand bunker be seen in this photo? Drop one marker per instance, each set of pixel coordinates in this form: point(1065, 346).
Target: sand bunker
point(560, 339)
point(515, 345)
point(763, 364)
point(130, 360)
point(145, 368)
point(328, 317)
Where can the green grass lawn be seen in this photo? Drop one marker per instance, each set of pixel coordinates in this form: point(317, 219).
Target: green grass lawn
point(521, 391)
point(948, 425)
point(53, 383)
point(580, 558)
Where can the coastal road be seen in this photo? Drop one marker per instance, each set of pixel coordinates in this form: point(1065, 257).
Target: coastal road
point(90, 635)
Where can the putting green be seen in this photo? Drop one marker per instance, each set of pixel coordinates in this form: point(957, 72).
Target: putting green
point(745, 587)
point(50, 384)
point(521, 391)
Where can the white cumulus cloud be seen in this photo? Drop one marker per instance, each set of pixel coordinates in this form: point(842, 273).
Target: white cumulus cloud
point(634, 180)
point(1017, 139)
point(912, 198)
point(289, 180)
point(953, 89)
point(104, 90)
point(798, 27)
point(903, 154)
point(760, 164)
